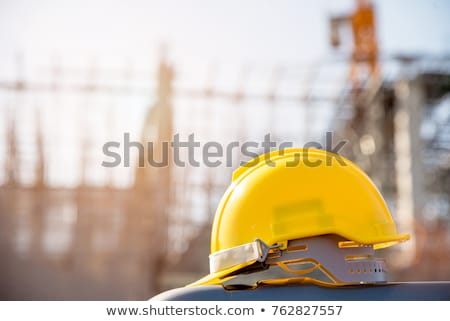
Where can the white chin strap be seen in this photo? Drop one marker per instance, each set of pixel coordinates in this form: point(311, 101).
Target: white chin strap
point(255, 251)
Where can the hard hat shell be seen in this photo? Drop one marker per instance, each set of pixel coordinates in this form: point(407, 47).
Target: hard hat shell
point(296, 193)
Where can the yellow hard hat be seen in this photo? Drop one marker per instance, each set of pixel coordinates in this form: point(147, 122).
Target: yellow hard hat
point(294, 194)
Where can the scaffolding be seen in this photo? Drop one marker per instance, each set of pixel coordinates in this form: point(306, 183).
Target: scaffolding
point(140, 228)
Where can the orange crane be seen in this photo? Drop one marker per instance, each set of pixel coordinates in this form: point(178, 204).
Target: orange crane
point(364, 58)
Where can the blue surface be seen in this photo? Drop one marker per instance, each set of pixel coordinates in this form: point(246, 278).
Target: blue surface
point(390, 292)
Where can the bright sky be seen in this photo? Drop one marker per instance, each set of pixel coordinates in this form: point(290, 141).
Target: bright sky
point(217, 31)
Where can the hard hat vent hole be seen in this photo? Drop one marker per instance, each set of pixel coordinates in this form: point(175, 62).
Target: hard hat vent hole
point(295, 248)
point(348, 244)
point(357, 257)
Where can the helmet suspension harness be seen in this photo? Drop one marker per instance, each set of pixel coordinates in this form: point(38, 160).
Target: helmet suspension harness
point(327, 260)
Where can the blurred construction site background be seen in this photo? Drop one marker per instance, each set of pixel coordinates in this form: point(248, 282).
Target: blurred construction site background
point(77, 74)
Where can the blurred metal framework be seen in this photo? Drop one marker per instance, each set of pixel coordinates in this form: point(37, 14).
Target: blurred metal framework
point(123, 237)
